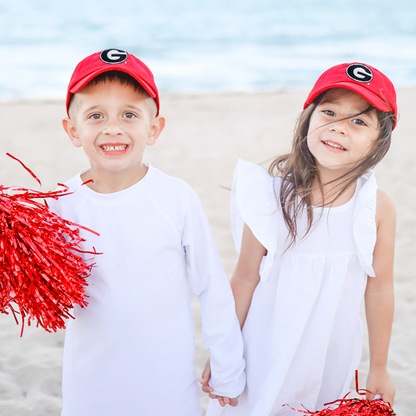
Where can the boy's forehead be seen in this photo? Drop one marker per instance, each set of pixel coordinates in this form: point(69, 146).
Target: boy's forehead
point(110, 93)
point(112, 60)
point(104, 87)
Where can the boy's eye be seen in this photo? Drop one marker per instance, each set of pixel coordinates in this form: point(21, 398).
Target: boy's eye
point(95, 116)
point(129, 114)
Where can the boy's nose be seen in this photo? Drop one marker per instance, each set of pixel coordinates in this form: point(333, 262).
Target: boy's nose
point(112, 128)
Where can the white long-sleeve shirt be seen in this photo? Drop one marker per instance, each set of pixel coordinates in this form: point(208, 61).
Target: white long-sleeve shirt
point(131, 351)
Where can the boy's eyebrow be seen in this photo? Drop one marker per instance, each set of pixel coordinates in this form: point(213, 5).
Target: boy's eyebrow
point(97, 107)
point(93, 107)
point(138, 109)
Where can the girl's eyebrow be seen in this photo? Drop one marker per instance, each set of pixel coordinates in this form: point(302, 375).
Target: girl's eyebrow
point(337, 102)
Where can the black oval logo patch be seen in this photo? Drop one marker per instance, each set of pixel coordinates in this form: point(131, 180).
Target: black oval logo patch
point(360, 73)
point(113, 56)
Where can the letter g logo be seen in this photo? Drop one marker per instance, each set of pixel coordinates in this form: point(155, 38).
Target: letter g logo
point(360, 73)
point(113, 56)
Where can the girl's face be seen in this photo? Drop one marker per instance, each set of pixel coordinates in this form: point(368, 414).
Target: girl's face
point(338, 138)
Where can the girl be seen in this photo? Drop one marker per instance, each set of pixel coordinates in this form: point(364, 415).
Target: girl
point(315, 236)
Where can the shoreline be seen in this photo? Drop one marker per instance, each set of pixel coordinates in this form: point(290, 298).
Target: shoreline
point(192, 94)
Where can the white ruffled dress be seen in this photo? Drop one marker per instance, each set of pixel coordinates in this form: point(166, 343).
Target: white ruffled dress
point(303, 333)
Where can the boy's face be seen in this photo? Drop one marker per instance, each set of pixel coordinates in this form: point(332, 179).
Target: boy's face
point(112, 123)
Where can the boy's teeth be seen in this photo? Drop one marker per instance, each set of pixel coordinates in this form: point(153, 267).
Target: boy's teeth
point(337, 146)
point(112, 148)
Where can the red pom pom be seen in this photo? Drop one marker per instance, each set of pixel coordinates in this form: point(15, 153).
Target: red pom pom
point(355, 407)
point(41, 274)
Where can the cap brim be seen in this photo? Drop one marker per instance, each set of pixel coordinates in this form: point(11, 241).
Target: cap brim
point(82, 83)
point(372, 98)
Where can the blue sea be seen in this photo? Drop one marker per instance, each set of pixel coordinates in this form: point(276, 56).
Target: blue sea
point(197, 46)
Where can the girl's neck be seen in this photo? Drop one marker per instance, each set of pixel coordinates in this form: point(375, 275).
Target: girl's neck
point(328, 195)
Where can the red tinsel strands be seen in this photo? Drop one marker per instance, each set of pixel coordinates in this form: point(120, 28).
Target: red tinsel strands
point(41, 277)
point(15, 158)
point(355, 407)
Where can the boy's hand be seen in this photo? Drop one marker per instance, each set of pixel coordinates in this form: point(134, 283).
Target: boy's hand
point(206, 375)
point(379, 382)
point(206, 388)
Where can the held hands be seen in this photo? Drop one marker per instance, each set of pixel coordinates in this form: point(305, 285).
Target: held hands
point(379, 382)
point(206, 375)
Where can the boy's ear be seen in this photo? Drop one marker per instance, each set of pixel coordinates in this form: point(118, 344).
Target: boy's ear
point(158, 124)
point(71, 130)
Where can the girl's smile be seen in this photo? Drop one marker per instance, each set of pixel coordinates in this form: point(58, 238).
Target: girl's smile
point(341, 131)
point(333, 146)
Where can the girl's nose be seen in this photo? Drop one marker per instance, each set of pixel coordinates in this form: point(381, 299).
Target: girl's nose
point(339, 126)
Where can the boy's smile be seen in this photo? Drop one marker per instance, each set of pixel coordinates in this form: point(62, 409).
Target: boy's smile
point(112, 122)
point(114, 148)
point(339, 136)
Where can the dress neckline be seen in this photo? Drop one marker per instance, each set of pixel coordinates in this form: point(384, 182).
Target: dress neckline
point(344, 206)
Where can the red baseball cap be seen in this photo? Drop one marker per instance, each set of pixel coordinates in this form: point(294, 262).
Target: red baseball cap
point(112, 60)
point(363, 79)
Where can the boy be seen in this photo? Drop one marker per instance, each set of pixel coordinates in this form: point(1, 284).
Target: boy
point(131, 351)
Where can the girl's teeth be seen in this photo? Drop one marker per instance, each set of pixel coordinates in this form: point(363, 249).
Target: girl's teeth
point(337, 146)
point(113, 148)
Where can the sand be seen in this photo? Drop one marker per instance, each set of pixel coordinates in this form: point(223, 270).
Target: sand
point(204, 137)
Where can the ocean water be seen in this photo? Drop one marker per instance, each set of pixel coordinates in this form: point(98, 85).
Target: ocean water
point(204, 45)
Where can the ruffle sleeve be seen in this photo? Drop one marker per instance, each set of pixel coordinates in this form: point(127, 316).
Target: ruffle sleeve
point(364, 227)
point(254, 202)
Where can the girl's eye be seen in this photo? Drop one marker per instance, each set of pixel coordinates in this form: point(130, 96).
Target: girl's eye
point(129, 115)
point(359, 122)
point(95, 116)
point(329, 113)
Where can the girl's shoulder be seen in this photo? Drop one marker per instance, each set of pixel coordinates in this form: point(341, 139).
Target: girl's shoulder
point(254, 178)
point(249, 170)
point(254, 203)
point(254, 190)
point(366, 192)
point(386, 208)
point(384, 204)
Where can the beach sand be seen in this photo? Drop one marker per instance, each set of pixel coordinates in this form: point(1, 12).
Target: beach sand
point(204, 137)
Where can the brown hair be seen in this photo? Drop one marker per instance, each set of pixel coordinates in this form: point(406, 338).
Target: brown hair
point(299, 171)
point(124, 79)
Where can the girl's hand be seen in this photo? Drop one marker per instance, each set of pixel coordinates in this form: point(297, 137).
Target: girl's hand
point(206, 388)
point(379, 382)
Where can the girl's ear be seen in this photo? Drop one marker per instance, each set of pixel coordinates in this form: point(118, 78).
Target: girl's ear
point(71, 130)
point(158, 124)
